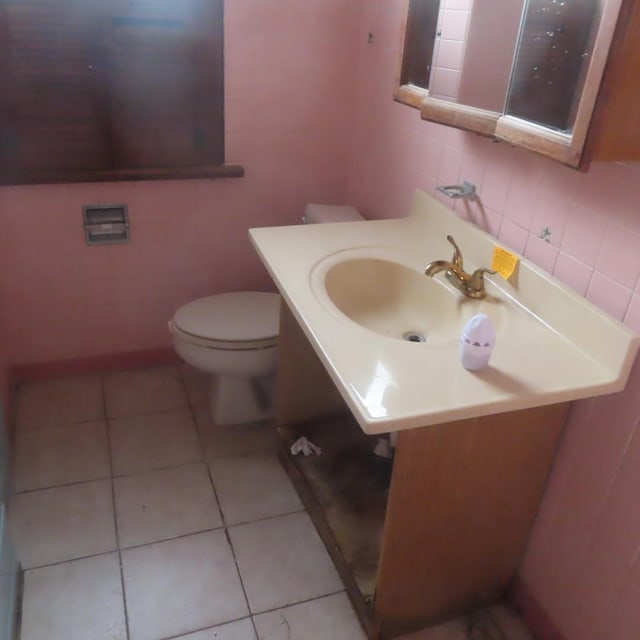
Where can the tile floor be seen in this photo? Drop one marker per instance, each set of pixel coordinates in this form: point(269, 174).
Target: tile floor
point(136, 518)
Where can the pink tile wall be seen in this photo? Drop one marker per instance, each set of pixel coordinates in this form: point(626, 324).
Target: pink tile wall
point(4, 369)
point(583, 563)
point(287, 93)
point(448, 53)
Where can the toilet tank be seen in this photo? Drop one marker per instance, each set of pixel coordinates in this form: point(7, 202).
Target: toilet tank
point(320, 213)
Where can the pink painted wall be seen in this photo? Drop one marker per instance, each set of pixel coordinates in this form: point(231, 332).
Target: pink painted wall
point(582, 563)
point(287, 111)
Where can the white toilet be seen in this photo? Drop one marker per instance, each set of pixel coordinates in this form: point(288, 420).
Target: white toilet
point(234, 337)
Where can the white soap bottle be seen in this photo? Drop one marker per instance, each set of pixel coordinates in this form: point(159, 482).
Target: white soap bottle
point(477, 341)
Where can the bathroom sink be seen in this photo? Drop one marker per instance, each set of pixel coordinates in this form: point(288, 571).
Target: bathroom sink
point(356, 289)
point(398, 301)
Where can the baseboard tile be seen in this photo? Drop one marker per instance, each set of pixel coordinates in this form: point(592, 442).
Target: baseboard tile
point(532, 611)
point(33, 372)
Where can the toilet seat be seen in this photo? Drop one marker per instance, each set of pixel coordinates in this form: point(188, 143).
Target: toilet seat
point(236, 321)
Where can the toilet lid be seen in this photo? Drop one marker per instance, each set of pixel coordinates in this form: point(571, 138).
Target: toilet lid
point(241, 316)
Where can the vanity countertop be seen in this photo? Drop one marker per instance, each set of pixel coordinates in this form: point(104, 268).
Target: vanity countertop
point(552, 345)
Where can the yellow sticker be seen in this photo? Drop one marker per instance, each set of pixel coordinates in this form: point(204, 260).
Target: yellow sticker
point(504, 262)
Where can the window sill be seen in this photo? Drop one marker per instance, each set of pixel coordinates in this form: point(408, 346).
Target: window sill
point(122, 175)
point(411, 95)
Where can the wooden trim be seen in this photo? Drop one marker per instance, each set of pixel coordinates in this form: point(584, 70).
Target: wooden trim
point(462, 116)
point(593, 81)
point(535, 137)
point(93, 364)
point(114, 175)
point(402, 36)
point(410, 95)
point(614, 132)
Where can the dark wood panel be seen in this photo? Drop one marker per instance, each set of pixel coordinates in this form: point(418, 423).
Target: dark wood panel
point(615, 130)
point(54, 118)
point(92, 86)
point(159, 114)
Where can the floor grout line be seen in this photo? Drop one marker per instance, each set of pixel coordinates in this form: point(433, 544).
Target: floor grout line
point(224, 523)
point(59, 562)
point(297, 602)
point(115, 517)
point(60, 486)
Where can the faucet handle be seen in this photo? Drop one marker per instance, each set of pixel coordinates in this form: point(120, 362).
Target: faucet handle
point(457, 254)
point(482, 271)
point(477, 277)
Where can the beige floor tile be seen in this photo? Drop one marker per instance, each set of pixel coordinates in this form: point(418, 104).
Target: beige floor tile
point(238, 630)
point(157, 505)
point(55, 525)
point(132, 393)
point(238, 440)
point(153, 441)
point(282, 561)
point(331, 617)
point(182, 585)
point(78, 600)
point(62, 455)
point(55, 403)
point(253, 487)
point(197, 384)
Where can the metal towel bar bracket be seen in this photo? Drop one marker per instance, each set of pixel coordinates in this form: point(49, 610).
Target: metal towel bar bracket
point(466, 191)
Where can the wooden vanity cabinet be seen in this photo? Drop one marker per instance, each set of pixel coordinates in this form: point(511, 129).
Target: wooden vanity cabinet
point(462, 500)
point(614, 133)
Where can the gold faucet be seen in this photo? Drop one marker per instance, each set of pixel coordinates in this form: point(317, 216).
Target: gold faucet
point(471, 284)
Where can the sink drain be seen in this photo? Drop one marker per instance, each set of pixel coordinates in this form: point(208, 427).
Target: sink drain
point(414, 336)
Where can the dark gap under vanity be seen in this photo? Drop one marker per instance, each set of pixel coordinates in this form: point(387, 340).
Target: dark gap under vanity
point(346, 489)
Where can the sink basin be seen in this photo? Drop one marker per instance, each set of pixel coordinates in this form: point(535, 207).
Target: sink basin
point(396, 301)
point(356, 289)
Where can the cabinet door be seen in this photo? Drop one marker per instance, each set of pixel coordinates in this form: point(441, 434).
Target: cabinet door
point(464, 496)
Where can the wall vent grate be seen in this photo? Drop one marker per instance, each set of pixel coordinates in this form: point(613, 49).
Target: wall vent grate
point(106, 223)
